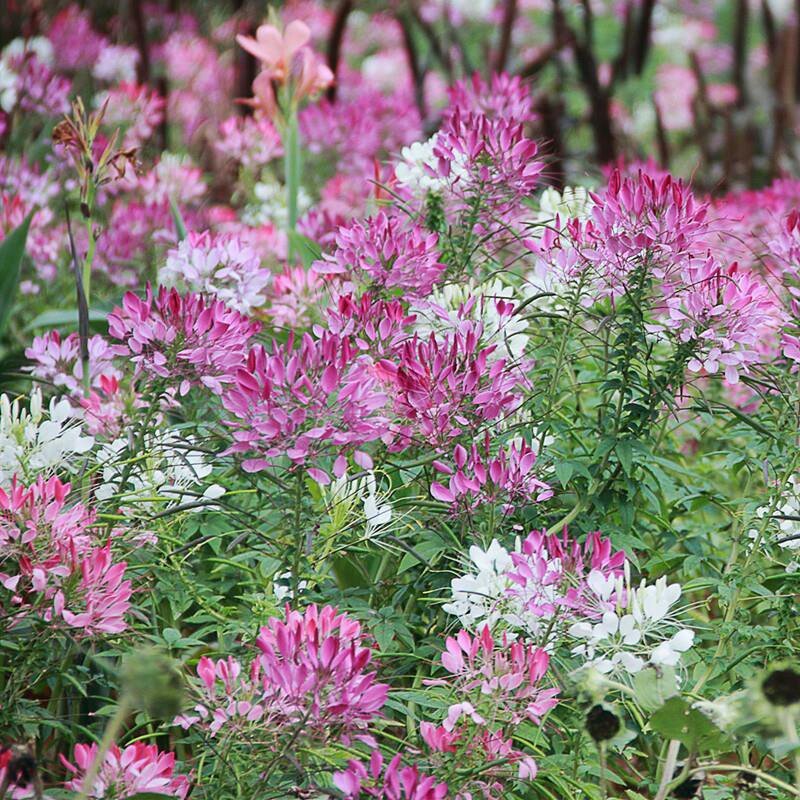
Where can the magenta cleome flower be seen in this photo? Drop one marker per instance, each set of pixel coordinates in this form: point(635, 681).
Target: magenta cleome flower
point(445, 386)
point(477, 476)
point(390, 783)
point(301, 401)
point(311, 678)
point(183, 338)
point(386, 252)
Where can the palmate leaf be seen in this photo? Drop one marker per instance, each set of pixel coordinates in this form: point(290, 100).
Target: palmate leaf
point(12, 249)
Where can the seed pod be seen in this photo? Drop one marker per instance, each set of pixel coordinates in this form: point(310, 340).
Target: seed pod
point(602, 724)
point(781, 686)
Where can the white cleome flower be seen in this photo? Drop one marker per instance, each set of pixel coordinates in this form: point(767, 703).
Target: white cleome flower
point(39, 441)
point(39, 46)
point(166, 471)
point(480, 595)
point(355, 501)
point(445, 310)
point(573, 203)
point(487, 595)
point(641, 630)
point(270, 205)
point(219, 266)
point(784, 526)
point(9, 91)
point(116, 64)
point(418, 169)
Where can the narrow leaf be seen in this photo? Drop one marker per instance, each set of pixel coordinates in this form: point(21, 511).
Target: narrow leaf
point(11, 251)
point(177, 218)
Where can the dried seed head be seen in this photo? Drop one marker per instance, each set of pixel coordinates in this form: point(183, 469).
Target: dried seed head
point(781, 686)
point(602, 724)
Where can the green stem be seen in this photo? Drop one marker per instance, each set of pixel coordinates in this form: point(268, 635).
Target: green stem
point(292, 169)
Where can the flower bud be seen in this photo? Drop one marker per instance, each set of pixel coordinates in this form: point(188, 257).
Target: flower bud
point(151, 681)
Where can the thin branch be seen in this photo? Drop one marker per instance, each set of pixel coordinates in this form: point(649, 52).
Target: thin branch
point(506, 29)
point(335, 40)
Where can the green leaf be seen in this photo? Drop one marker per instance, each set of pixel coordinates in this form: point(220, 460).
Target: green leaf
point(654, 686)
point(308, 250)
point(12, 249)
point(171, 635)
point(177, 218)
point(676, 719)
point(564, 470)
point(65, 318)
point(625, 455)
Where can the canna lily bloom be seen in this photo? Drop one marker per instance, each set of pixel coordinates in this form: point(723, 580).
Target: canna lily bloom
point(275, 50)
point(287, 60)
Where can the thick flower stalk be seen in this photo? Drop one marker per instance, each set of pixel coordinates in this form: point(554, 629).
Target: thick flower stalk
point(291, 72)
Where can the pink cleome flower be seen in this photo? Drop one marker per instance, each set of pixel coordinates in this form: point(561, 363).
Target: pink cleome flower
point(385, 252)
point(51, 566)
point(553, 574)
point(137, 769)
point(446, 386)
point(496, 685)
point(392, 783)
point(183, 338)
point(311, 673)
point(58, 360)
point(477, 476)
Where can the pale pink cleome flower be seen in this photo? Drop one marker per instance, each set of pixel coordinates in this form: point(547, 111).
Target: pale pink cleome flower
point(502, 96)
point(220, 266)
point(496, 686)
point(183, 338)
point(296, 295)
point(58, 360)
point(723, 316)
point(251, 142)
point(139, 768)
